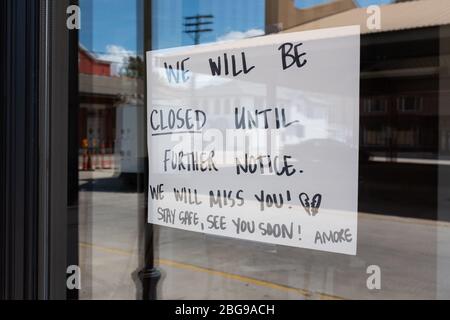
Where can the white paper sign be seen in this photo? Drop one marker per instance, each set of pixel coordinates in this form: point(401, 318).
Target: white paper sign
point(258, 139)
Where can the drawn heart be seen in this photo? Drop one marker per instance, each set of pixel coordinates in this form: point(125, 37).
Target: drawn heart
point(311, 207)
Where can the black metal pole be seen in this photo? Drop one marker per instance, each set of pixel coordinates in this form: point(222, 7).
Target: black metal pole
point(149, 275)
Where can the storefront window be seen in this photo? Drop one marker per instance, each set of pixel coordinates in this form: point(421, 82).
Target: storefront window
point(402, 243)
point(402, 154)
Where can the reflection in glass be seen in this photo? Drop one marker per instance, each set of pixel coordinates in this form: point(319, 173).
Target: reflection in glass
point(404, 153)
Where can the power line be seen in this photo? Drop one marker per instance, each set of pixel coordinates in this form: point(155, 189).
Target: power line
point(196, 25)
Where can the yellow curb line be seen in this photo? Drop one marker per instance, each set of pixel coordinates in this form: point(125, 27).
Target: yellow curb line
point(180, 265)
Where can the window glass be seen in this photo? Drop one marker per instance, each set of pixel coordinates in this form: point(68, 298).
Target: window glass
point(404, 153)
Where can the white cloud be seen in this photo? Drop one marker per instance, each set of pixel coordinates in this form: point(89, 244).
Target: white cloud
point(234, 35)
point(117, 55)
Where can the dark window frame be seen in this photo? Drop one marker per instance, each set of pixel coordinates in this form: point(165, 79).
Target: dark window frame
point(35, 46)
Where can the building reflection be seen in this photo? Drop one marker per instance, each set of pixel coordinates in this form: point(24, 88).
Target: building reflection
point(109, 110)
point(404, 137)
point(399, 133)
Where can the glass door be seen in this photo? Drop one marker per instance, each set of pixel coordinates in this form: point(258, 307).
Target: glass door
point(403, 230)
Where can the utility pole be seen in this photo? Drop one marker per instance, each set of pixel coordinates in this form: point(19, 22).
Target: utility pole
point(195, 26)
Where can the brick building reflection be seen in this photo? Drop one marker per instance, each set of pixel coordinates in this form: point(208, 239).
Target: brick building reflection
point(109, 109)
